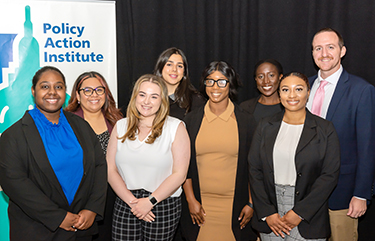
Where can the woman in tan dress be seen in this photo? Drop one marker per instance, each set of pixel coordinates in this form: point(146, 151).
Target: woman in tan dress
point(218, 205)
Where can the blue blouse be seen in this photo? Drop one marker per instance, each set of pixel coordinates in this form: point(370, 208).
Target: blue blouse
point(63, 150)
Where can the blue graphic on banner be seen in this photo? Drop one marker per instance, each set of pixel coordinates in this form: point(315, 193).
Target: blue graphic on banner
point(6, 50)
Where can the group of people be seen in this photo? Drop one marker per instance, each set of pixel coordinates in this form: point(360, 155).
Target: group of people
point(295, 163)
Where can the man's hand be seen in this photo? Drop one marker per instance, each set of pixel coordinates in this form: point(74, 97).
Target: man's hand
point(357, 207)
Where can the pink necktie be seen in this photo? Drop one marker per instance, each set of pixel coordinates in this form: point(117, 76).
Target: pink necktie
point(318, 99)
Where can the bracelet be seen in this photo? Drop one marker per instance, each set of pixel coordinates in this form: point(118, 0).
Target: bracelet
point(250, 205)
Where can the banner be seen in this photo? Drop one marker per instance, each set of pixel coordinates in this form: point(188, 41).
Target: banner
point(74, 36)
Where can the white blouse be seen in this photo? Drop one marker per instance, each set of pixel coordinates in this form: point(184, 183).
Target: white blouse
point(284, 153)
point(146, 166)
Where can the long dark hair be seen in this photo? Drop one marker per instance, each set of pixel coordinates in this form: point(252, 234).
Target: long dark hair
point(185, 90)
point(110, 112)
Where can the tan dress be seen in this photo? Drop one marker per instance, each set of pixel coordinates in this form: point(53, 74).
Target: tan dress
point(217, 154)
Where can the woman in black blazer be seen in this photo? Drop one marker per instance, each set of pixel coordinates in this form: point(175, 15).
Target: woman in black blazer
point(294, 154)
point(52, 168)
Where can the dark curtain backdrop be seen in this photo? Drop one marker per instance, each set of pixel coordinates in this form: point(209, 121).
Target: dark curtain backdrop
point(240, 32)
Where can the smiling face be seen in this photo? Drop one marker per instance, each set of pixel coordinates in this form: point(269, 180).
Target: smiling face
point(93, 103)
point(49, 94)
point(327, 53)
point(173, 70)
point(215, 93)
point(267, 78)
point(294, 93)
point(148, 100)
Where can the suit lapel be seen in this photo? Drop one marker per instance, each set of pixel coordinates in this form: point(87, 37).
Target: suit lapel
point(341, 88)
point(270, 137)
point(308, 132)
point(37, 149)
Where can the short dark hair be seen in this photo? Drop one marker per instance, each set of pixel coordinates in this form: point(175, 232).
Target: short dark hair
point(299, 75)
point(228, 71)
point(274, 62)
point(39, 73)
point(341, 39)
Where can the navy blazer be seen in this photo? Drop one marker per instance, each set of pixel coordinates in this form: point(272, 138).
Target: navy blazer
point(37, 203)
point(317, 163)
point(352, 111)
point(246, 127)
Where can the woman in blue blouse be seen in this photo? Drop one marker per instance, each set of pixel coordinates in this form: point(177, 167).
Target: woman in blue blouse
point(52, 168)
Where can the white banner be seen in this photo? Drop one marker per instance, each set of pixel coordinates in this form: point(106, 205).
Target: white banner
point(74, 36)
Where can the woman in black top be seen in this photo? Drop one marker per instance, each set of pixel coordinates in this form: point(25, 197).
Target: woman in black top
point(267, 74)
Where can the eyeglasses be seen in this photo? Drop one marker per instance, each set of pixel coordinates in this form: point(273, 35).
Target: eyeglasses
point(222, 83)
point(88, 91)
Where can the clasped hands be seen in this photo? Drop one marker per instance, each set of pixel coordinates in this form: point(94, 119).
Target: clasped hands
point(283, 225)
point(83, 220)
point(141, 208)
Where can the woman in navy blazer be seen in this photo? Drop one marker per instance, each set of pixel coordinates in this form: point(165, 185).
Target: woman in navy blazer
point(315, 167)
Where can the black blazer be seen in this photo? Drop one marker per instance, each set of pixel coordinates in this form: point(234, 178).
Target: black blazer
point(317, 163)
point(249, 105)
point(246, 127)
point(37, 204)
point(175, 110)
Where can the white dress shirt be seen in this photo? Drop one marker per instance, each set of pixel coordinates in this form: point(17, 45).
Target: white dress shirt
point(329, 89)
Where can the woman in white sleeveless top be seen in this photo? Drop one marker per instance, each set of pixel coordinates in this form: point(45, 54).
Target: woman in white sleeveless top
point(148, 157)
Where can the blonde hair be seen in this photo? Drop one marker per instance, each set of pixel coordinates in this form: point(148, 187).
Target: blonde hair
point(133, 115)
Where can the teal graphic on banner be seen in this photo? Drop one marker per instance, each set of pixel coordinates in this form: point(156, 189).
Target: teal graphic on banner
point(16, 97)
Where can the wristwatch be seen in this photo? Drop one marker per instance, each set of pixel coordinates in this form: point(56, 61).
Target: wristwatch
point(152, 200)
